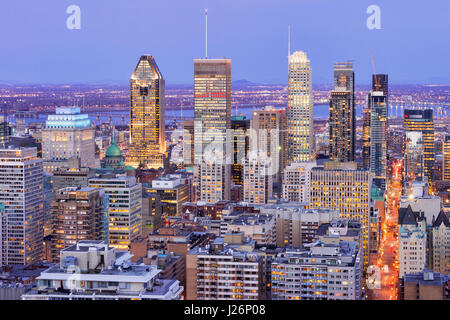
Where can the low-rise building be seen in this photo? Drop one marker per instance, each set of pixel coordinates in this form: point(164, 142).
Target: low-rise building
point(327, 270)
point(92, 270)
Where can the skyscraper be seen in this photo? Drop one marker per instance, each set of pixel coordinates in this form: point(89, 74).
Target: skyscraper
point(124, 207)
point(299, 113)
point(67, 134)
point(147, 121)
point(446, 152)
point(258, 178)
point(422, 121)
point(379, 83)
point(377, 102)
point(268, 137)
point(342, 114)
point(413, 158)
point(342, 187)
point(212, 124)
point(78, 214)
point(240, 145)
point(21, 206)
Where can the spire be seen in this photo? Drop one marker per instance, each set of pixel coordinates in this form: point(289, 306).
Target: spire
point(206, 33)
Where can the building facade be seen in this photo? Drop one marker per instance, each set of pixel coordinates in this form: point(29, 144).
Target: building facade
point(299, 113)
point(212, 124)
point(67, 134)
point(21, 206)
point(147, 116)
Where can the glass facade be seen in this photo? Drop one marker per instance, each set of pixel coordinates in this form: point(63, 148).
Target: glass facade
point(147, 121)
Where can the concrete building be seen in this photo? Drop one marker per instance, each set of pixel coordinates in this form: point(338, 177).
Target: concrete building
point(329, 270)
point(258, 178)
point(259, 227)
point(446, 158)
point(268, 137)
point(440, 244)
point(77, 214)
point(412, 242)
point(68, 134)
point(425, 285)
point(228, 268)
point(21, 206)
point(124, 207)
point(92, 270)
point(343, 187)
point(297, 226)
point(296, 181)
point(72, 175)
point(172, 194)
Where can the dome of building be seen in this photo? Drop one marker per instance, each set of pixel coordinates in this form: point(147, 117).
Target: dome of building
point(113, 150)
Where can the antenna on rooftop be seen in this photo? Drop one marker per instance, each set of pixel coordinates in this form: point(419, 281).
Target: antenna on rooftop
point(206, 33)
point(289, 41)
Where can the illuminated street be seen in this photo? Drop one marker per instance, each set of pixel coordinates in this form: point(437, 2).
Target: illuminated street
point(388, 253)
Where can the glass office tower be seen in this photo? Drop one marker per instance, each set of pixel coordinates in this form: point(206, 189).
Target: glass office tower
point(147, 123)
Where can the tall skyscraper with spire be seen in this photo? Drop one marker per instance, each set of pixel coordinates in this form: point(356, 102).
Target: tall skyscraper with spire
point(342, 114)
point(299, 113)
point(212, 127)
point(147, 122)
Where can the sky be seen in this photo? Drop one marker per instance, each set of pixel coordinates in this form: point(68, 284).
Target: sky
point(36, 47)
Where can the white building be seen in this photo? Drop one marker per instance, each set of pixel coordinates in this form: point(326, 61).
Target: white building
point(299, 113)
point(21, 206)
point(296, 182)
point(68, 134)
point(412, 242)
point(429, 205)
point(258, 178)
point(124, 207)
point(91, 270)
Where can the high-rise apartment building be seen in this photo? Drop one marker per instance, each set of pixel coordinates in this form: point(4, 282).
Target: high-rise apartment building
point(147, 120)
point(296, 181)
point(413, 160)
point(78, 214)
point(422, 121)
point(366, 139)
point(226, 269)
point(342, 114)
point(21, 206)
point(67, 134)
point(268, 137)
point(240, 127)
point(446, 154)
point(299, 113)
point(212, 124)
point(377, 102)
point(188, 143)
point(343, 187)
point(124, 207)
point(258, 179)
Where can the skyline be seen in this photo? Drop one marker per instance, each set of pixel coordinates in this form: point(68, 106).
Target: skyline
point(60, 55)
